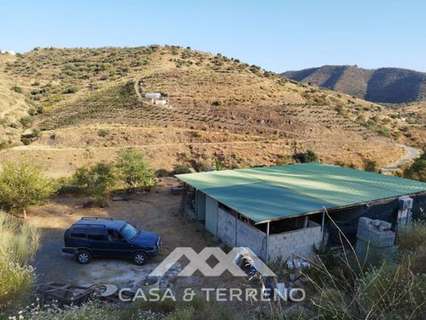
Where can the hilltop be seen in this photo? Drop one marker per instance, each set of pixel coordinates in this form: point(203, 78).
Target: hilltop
point(385, 85)
point(90, 104)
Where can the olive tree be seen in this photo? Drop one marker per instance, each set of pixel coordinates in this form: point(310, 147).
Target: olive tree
point(96, 181)
point(134, 170)
point(23, 185)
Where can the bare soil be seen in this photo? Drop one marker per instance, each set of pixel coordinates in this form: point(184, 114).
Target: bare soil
point(156, 211)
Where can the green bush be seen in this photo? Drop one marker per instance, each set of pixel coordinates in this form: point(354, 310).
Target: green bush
point(26, 121)
point(304, 157)
point(370, 165)
point(412, 241)
point(103, 133)
point(96, 181)
point(17, 89)
point(18, 244)
point(134, 171)
point(23, 185)
point(417, 170)
point(70, 90)
point(181, 169)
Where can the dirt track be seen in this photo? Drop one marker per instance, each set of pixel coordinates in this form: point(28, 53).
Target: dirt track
point(410, 155)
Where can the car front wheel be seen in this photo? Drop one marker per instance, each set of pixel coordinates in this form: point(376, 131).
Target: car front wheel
point(139, 258)
point(83, 257)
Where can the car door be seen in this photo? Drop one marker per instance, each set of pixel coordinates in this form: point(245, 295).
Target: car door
point(118, 244)
point(99, 242)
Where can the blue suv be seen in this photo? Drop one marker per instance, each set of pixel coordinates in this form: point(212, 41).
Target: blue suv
point(109, 238)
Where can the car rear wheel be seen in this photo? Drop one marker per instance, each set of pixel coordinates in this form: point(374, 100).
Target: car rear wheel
point(83, 257)
point(139, 258)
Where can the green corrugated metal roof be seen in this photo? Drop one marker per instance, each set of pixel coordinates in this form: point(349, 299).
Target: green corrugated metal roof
point(270, 193)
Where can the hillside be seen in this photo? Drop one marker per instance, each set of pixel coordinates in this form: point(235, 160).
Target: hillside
point(14, 108)
point(218, 108)
point(385, 85)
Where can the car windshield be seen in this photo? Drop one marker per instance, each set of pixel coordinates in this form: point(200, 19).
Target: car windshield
point(129, 232)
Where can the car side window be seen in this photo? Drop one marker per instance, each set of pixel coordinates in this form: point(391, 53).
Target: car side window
point(97, 237)
point(78, 233)
point(114, 235)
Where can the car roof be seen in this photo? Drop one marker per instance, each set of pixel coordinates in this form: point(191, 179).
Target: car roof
point(92, 222)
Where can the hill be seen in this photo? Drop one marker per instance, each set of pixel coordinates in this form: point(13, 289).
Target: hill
point(385, 85)
point(14, 108)
point(218, 108)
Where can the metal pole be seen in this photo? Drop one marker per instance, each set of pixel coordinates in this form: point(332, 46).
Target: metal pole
point(323, 225)
point(323, 221)
point(267, 240)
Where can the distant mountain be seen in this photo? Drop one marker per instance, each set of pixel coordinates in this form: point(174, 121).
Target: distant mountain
point(385, 85)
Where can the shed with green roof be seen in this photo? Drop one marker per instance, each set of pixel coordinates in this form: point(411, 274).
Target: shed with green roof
point(285, 198)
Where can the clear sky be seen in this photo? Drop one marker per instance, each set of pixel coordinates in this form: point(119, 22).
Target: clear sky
point(278, 35)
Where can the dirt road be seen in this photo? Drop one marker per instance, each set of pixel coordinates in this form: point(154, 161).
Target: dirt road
point(409, 156)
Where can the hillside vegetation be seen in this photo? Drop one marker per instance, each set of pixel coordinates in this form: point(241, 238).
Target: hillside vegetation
point(14, 108)
point(385, 85)
point(218, 107)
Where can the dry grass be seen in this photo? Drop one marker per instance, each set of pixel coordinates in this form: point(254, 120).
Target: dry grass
point(18, 244)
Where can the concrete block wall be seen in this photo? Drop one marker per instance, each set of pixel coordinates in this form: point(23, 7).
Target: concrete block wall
point(250, 237)
point(226, 230)
point(375, 241)
point(200, 205)
point(298, 242)
point(377, 232)
point(211, 215)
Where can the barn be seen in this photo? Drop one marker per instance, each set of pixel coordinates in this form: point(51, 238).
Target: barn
point(286, 211)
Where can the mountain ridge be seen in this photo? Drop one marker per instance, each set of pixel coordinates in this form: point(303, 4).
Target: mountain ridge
point(383, 85)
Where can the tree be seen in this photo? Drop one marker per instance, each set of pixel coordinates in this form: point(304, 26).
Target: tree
point(417, 170)
point(134, 170)
point(304, 157)
point(96, 181)
point(370, 165)
point(23, 185)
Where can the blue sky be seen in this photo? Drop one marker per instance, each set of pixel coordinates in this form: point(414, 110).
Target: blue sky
point(277, 35)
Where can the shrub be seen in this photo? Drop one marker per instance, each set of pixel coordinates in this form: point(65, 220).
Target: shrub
point(219, 164)
point(70, 90)
point(304, 157)
point(412, 239)
point(370, 165)
point(181, 169)
point(23, 185)
point(417, 170)
point(103, 133)
point(18, 244)
point(26, 121)
point(96, 181)
point(134, 170)
point(17, 89)
point(161, 173)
